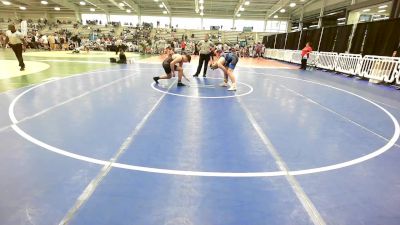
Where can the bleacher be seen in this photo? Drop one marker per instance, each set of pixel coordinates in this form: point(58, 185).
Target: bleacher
point(226, 36)
point(159, 33)
point(3, 26)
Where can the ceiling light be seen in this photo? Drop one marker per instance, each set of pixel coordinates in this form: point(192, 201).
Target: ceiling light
point(314, 26)
point(164, 12)
point(82, 3)
point(161, 5)
point(44, 2)
point(22, 8)
point(276, 16)
point(241, 9)
point(6, 2)
point(201, 1)
point(156, 0)
point(238, 15)
point(381, 11)
point(92, 9)
point(342, 23)
point(201, 7)
point(366, 10)
point(121, 4)
point(246, 3)
point(341, 18)
point(382, 6)
point(292, 4)
point(57, 8)
point(201, 14)
point(283, 10)
point(128, 11)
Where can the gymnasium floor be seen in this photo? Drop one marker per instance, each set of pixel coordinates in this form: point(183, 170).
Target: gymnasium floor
point(90, 143)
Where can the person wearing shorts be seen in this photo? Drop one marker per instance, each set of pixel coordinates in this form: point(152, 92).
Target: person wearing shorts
point(227, 63)
point(170, 66)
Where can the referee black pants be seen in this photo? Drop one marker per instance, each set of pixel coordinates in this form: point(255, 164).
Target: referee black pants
point(18, 53)
point(204, 58)
point(303, 64)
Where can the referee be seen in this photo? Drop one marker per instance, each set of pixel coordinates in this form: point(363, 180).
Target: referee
point(396, 53)
point(204, 47)
point(15, 40)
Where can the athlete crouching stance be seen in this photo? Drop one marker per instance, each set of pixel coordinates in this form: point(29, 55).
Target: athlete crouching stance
point(170, 66)
point(227, 63)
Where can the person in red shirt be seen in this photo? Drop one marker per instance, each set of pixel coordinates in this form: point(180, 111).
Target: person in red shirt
point(258, 50)
point(305, 53)
point(183, 45)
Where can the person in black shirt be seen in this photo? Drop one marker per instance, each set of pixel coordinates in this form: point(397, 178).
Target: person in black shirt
point(33, 43)
point(122, 57)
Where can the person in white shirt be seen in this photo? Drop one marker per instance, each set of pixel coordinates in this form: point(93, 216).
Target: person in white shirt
point(204, 47)
point(15, 40)
point(226, 48)
point(44, 41)
point(57, 40)
point(118, 45)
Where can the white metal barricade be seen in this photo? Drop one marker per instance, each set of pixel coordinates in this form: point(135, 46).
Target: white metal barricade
point(313, 59)
point(376, 68)
point(348, 63)
point(288, 55)
point(274, 53)
point(379, 68)
point(397, 74)
point(296, 57)
point(268, 53)
point(280, 54)
point(327, 60)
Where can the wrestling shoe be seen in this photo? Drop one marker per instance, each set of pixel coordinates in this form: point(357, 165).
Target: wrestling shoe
point(223, 84)
point(180, 84)
point(156, 79)
point(232, 88)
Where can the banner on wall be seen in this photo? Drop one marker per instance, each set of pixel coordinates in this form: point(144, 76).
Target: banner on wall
point(24, 27)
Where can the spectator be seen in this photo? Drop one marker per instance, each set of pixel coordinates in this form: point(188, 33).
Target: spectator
point(258, 49)
point(396, 53)
point(33, 43)
point(122, 57)
point(305, 54)
point(183, 46)
point(44, 41)
point(52, 42)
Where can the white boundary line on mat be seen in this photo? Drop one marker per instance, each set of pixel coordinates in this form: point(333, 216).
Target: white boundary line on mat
point(369, 156)
point(105, 170)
